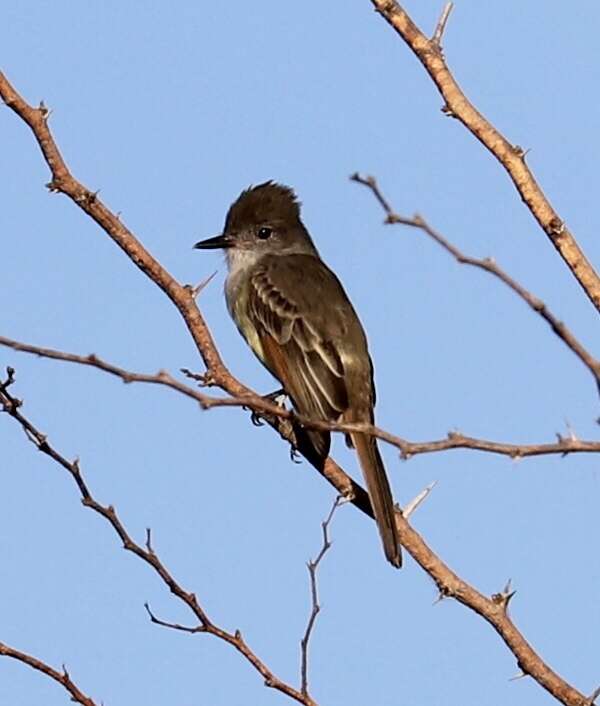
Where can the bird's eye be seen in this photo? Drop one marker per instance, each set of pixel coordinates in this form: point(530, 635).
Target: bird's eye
point(264, 232)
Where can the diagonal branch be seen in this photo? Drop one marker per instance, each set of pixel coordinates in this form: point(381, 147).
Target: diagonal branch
point(511, 157)
point(279, 416)
point(63, 678)
point(12, 406)
point(489, 265)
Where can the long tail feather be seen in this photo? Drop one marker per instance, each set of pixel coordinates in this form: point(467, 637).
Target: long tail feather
point(380, 495)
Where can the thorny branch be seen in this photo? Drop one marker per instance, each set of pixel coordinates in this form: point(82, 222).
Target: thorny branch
point(489, 265)
point(511, 157)
point(564, 445)
point(12, 406)
point(313, 566)
point(449, 584)
point(63, 678)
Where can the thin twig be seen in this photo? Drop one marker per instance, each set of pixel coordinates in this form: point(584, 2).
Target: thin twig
point(63, 678)
point(441, 25)
point(11, 405)
point(489, 265)
point(271, 411)
point(510, 156)
point(312, 566)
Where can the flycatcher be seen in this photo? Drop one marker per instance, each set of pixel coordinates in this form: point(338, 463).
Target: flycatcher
point(296, 317)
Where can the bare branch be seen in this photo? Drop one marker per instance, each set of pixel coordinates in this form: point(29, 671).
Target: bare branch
point(511, 157)
point(281, 418)
point(489, 265)
point(146, 553)
point(63, 678)
point(448, 583)
point(315, 607)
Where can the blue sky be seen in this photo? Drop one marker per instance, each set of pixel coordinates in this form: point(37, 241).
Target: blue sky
point(171, 110)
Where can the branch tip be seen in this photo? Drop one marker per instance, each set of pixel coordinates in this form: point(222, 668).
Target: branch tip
point(436, 39)
point(416, 501)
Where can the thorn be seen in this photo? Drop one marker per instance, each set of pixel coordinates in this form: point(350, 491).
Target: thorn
point(440, 598)
point(518, 676)
point(436, 39)
point(149, 540)
point(415, 502)
point(44, 111)
point(503, 598)
point(344, 498)
point(556, 227)
point(593, 696)
point(195, 291)
point(572, 436)
point(520, 152)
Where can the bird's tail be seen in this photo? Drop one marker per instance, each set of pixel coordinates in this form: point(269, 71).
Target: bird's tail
point(380, 495)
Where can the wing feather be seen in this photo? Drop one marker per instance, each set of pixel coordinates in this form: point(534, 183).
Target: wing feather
point(314, 371)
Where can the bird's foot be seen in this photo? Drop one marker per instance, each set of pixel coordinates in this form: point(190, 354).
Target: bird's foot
point(277, 397)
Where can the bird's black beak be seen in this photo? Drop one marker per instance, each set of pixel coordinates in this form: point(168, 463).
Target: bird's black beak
point(219, 242)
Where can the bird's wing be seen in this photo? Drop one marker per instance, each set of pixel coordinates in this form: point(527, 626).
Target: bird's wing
point(298, 331)
point(312, 341)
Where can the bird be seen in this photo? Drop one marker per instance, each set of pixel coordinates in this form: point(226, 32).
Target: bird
point(294, 314)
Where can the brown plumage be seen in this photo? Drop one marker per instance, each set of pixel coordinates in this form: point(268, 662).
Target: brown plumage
point(295, 315)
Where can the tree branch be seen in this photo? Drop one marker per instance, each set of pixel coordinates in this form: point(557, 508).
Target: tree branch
point(448, 583)
point(63, 678)
point(489, 265)
point(11, 405)
point(313, 566)
point(279, 416)
point(511, 157)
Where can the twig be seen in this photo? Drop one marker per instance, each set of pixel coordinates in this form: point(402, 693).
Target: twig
point(11, 405)
point(63, 678)
point(441, 25)
point(312, 566)
point(278, 416)
point(510, 156)
point(489, 265)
